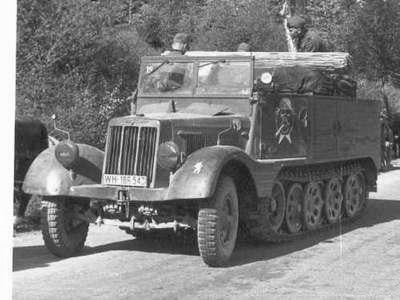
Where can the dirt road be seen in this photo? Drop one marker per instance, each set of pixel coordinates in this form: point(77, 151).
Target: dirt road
point(359, 260)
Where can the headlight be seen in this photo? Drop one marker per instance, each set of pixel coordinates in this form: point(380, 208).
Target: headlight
point(168, 155)
point(67, 153)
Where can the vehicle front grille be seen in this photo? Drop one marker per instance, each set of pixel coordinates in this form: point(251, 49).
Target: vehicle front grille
point(131, 150)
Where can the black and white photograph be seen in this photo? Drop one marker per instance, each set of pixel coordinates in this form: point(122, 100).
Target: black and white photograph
point(201, 149)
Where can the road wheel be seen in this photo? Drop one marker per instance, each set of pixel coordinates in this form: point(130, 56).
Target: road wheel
point(294, 204)
point(354, 194)
point(333, 200)
point(277, 206)
point(312, 207)
point(218, 224)
point(63, 233)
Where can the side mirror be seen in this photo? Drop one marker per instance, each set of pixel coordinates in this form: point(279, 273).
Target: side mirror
point(56, 129)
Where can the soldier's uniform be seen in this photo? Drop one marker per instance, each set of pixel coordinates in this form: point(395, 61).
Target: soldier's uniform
point(312, 42)
point(305, 40)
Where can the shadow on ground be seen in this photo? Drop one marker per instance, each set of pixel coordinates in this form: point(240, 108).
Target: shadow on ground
point(378, 211)
point(38, 256)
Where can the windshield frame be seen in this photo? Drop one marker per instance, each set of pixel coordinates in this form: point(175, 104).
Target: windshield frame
point(196, 60)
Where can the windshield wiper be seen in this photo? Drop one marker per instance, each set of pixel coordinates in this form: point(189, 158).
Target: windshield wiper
point(158, 67)
point(212, 62)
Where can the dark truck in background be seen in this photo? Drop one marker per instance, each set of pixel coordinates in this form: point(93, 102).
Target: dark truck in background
point(30, 140)
point(218, 141)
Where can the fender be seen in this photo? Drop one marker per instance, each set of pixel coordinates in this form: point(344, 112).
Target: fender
point(46, 176)
point(198, 176)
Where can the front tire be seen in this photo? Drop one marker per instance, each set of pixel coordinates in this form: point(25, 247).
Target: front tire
point(218, 224)
point(64, 235)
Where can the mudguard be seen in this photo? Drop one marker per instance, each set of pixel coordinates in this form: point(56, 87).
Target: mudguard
point(46, 176)
point(198, 176)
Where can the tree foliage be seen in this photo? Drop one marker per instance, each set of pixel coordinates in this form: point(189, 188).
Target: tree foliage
point(375, 39)
point(78, 59)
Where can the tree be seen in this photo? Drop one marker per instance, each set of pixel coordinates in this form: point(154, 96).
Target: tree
point(78, 59)
point(375, 39)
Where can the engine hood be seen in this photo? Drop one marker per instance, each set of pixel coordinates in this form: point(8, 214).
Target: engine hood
point(181, 119)
point(189, 131)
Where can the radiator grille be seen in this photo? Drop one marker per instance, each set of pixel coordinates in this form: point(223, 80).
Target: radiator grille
point(131, 151)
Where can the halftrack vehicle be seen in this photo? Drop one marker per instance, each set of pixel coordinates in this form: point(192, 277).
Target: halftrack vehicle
point(218, 141)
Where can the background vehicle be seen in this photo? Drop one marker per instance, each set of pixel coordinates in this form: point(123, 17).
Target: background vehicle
point(217, 141)
point(30, 140)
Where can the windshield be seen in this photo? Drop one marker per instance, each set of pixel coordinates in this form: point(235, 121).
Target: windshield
point(224, 77)
point(217, 77)
point(167, 78)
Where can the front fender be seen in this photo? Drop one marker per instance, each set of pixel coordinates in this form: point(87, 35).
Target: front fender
point(198, 176)
point(46, 176)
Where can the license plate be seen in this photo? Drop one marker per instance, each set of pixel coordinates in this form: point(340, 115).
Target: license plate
point(131, 180)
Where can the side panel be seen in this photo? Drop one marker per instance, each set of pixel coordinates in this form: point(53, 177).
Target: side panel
point(46, 176)
point(322, 122)
point(359, 134)
point(285, 127)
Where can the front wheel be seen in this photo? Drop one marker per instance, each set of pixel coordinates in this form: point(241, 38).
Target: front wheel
point(218, 224)
point(63, 233)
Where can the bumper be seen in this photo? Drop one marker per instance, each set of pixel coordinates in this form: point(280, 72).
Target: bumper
point(119, 193)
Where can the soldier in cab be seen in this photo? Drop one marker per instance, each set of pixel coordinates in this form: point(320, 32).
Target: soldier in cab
point(174, 80)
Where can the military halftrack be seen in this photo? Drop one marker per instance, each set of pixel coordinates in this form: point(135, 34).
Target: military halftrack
point(218, 141)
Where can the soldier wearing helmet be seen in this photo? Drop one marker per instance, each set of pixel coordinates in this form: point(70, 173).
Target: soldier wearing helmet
point(243, 47)
point(180, 45)
point(304, 39)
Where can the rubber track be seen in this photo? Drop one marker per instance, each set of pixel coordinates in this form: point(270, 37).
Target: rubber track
point(265, 233)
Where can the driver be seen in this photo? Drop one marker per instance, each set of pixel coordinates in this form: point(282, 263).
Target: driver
point(172, 80)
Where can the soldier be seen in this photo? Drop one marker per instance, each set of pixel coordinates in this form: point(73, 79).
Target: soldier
point(305, 40)
point(386, 141)
point(179, 46)
point(243, 47)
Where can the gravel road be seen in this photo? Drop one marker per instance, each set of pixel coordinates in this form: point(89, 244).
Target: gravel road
point(355, 261)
